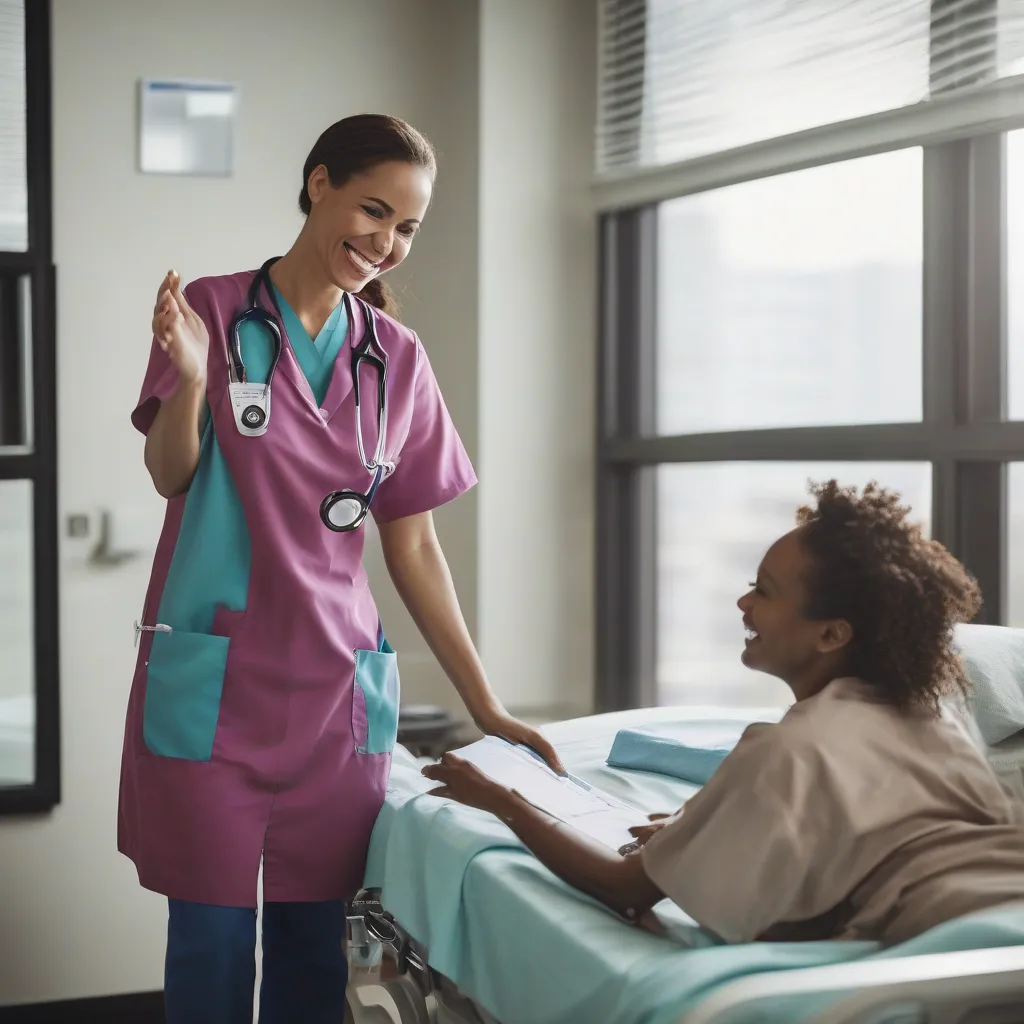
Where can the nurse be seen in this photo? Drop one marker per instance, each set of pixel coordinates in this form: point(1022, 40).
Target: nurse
point(264, 707)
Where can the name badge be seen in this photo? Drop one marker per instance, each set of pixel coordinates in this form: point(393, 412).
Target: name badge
point(251, 405)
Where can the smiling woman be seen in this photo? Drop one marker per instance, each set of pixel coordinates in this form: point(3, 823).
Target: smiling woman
point(866, 812)
point(353, 166)
point(859, 590)
point(264, 708)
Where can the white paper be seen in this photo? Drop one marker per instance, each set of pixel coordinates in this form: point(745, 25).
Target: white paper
point(598, 815)
point(610, 827)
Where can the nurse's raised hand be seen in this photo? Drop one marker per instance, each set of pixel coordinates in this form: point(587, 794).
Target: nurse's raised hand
point(179, 330)
point(172, 440)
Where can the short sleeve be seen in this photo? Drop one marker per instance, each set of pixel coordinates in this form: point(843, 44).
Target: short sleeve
point(158, 385)
point(737, 857)
point(432, 468)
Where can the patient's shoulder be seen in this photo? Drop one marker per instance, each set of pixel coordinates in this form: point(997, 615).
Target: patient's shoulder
point(799, 731)
point(806, 736)
point(784, 753)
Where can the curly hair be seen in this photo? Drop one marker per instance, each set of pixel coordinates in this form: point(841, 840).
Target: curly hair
point(901, 592)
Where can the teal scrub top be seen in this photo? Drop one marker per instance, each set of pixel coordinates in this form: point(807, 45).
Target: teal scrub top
point(212, 557)
point(315, 357)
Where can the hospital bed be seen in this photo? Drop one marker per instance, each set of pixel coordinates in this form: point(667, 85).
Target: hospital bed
point(471, 929)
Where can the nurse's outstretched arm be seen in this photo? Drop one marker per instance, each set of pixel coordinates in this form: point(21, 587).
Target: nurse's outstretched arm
point(421, 576)
point(172, 443)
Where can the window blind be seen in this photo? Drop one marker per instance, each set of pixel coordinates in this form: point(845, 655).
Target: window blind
point(681, 79)
point(13, 175)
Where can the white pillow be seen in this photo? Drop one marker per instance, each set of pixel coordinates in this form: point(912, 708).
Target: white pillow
point(994, 658)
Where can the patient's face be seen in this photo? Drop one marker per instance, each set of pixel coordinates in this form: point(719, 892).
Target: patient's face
point(780, 640)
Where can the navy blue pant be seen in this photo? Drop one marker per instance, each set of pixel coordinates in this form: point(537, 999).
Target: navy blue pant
point(210, 971)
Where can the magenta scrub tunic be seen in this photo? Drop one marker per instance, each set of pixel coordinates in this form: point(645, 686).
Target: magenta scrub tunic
point(262, 725)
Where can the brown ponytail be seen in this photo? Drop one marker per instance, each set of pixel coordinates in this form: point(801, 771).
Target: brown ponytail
point(380, 295)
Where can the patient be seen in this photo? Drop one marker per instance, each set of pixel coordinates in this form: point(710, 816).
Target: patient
point(866, 812)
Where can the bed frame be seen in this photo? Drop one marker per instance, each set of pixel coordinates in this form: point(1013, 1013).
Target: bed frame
point(984, 986)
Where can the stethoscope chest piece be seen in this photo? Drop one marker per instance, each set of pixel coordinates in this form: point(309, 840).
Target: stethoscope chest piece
point(250, 404)
point(342, 511)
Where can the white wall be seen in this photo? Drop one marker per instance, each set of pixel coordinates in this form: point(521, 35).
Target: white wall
point(74, 921)
point(438, 290)
point(537, 350)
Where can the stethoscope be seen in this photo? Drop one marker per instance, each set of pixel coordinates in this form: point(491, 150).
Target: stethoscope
point(341, 510)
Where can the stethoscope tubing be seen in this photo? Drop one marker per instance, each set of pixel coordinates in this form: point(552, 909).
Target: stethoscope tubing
point(363, 353)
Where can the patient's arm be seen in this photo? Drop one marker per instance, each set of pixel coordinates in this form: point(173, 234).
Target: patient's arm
point(618, 882)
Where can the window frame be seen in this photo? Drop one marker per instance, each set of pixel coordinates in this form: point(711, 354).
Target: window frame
point(964, 375)
point(37, 461)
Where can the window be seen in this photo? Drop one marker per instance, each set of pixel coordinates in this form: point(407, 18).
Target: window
point(839, 302)
point(29, 744)
point(792, 301)
point(754, 58)
point(684, 79)
point(13, 168)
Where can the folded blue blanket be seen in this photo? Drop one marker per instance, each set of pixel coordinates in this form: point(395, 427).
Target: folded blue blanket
point(690, 751)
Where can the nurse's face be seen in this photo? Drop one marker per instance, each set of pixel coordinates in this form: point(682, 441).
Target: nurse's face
point(804, 653)
point(366, 226)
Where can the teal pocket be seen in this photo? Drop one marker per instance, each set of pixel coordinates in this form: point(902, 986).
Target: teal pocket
point(375, 701)
point(183, 689)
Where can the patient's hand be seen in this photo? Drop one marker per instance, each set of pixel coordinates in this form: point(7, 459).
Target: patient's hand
point(465, 783)
point(642, 833)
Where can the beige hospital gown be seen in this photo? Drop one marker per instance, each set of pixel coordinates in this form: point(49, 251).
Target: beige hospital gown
point(847, 819)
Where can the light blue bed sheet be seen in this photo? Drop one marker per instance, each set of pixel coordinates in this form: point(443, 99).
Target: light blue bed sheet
point(530, 950)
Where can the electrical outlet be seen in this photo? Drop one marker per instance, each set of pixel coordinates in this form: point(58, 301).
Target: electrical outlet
point(78, 525)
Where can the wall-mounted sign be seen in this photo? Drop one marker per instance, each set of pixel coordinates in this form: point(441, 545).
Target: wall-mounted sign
point(186, 127)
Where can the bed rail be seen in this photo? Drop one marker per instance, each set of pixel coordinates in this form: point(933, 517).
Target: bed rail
point(982, 986)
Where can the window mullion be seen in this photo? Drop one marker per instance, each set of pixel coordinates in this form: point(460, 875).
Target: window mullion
point(39, 148)
point(626, 498)
point(965, 348)
point(965, 322)
point(985, 354)
point(946, 172)
point(981, 487)
point(981, 531)
point(946, 186)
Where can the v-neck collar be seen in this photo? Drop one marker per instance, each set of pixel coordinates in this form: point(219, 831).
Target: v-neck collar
point(316, 357)
point(341, 379)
